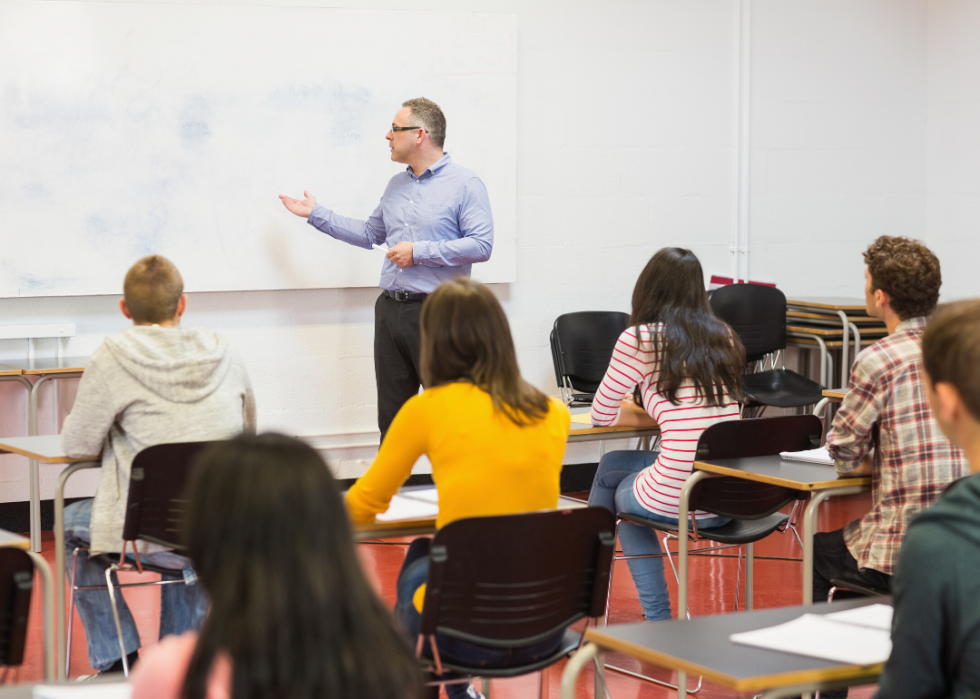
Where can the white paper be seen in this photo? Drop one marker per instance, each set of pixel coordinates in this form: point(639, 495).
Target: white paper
point(816, 636)
point(423, 494)
point(875, 616)
point(113, 690)
point(816, 456)
point(408, 508)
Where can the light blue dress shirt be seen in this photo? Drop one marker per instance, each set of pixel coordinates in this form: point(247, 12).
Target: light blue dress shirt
point(444, 213)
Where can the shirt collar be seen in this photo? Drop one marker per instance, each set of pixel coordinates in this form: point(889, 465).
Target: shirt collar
point(432, 169)
point(911, 323)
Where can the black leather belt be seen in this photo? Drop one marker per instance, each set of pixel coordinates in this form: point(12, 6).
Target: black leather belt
point(405, 295)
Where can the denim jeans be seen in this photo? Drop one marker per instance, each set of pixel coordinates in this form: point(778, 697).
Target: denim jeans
point(182, 607)
point(613, 489)
point(412, 576)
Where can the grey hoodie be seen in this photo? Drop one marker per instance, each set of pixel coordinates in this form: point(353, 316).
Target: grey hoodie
point(150, 385)
point(936, 588)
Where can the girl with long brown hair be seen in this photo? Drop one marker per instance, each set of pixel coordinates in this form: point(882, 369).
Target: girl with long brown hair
point(495, 442)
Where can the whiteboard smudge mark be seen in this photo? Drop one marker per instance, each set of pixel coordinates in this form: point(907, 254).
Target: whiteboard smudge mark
point(194, 123)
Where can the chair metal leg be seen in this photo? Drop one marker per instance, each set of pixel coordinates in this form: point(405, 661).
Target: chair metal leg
point(71, 607)
point(749, 574)
point(485, 687)
point(540, 684)
point(115, 615)
point(738, 576)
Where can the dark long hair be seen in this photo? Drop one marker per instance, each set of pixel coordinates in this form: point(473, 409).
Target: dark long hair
point(466, 337)
point(269, 538)
point(694, 343)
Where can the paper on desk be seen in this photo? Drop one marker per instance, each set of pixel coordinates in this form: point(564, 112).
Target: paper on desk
point(817, 636)
point(582, 419)
point(875, 616)
point(408, 508)
point(113, 690)
point(815, 456)
point(424, 494)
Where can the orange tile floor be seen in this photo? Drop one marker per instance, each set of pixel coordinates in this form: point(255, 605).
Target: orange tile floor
point(712, 591)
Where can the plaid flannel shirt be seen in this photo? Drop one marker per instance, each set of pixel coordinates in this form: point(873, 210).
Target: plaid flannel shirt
point(886, 409)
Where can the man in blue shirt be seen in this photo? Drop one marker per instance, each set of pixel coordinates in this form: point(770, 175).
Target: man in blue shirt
point(435, 219)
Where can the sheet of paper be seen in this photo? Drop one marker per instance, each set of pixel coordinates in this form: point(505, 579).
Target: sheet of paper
point(816, 456)
point(816, 636)
point(423, 494)
point(582, 419)
point(408, 508)
point(114, 690)
point(875, 616)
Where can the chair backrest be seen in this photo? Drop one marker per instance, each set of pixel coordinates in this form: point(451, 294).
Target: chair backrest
point(155, 507)
point(582, 345)
point(739, 498)
point(16, 583)
point(757, 314)
point(515, 580)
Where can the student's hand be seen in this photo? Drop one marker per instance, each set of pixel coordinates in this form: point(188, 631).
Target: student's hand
point(401, 254)
point(300, 207)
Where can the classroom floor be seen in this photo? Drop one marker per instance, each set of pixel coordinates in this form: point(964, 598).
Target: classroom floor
point(712, 591)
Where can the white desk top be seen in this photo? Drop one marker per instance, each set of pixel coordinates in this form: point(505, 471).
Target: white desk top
point(44, 448)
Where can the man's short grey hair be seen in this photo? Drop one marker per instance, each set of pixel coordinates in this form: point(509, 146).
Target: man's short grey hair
point(427, 114)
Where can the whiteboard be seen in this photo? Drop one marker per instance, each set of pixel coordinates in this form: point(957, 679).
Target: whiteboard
point(130, 129)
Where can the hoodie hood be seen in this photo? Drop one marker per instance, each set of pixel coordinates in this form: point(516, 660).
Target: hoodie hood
point(958, 511)
point(180, 364)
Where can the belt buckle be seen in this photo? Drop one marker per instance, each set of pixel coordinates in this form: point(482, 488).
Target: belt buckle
point(401, 295)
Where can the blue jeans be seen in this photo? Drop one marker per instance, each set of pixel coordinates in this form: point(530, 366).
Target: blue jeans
point(412, 576)
point(613, 489)
point(182, 607)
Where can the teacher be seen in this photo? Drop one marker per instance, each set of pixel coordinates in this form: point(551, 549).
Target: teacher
point(435, 219)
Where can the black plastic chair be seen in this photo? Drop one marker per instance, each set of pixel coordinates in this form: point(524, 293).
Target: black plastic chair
point(581, 346)
point(16, 585)
point(752, 506)
point(514, 581)
point(757, 314)
point(859, 588)
point(155, 509)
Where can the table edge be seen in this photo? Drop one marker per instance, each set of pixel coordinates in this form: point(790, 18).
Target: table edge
point(793, 485)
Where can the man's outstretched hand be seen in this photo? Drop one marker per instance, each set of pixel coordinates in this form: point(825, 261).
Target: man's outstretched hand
point(300, 207)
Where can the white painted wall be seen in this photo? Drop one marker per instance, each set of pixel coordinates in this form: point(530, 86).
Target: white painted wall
point(626, 113)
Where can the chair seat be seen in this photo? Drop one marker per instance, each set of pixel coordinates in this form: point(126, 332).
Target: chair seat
point(859, 586)
point(569, 643)
point(582, 398)
point(781, 388)
point(738, 531)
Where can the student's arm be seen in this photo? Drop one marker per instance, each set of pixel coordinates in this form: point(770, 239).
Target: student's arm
point(632, 415)
point(91, 417)
point(476, 233)
point(625, 371)
point(915, 668)
point(850, 440)
point(404, 443)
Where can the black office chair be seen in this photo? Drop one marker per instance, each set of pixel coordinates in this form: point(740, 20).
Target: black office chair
point(757, 314)
point(855, 588)
point(581, 346)
point(514, 581)
point(753, 507)
point(16, 585)
point(155, 511)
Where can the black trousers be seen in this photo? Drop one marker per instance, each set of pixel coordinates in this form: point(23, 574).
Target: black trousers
point(832, 559)
point(397, 344)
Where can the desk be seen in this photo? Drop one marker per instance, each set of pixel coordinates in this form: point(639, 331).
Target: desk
point(851, 312)
point(700, 646)
point(821, 481)
point(47, 450)
point(585, 432)
point(16, 541)
point(45, 368)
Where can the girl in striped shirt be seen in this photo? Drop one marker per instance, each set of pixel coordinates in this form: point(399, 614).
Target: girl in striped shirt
point(687, 366)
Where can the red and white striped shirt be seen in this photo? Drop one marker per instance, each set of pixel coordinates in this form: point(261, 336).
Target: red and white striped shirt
point(658, 486)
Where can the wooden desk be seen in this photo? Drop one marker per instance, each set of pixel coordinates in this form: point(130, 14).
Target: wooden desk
point(44, 368)
point(835, 393)
point(831, 306)
point(701, 646)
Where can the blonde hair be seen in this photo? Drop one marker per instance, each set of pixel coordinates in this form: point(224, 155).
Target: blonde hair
point(152, 290)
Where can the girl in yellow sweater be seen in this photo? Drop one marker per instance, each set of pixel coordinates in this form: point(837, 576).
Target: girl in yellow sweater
point(495, 442)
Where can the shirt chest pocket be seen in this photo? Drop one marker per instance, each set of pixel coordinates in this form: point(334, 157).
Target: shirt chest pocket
point(437, 217)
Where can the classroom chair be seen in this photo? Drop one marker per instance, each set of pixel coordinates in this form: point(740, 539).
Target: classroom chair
point(581, 346)
point(857, 588)
point(513, 581)
point(16, 585)
point(753, 507)
point(154, 512)
point(757, 314)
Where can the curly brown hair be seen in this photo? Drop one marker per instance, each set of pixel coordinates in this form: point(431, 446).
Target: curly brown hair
point(951, 350)
point(907, 271)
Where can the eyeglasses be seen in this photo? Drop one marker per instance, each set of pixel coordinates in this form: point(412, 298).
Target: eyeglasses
point(396, 129)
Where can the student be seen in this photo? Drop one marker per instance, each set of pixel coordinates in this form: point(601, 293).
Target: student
point(688, 367)
point(155, 382)
point(936, 628)
point(884, 427)
point(292, 615)
point(495, 442)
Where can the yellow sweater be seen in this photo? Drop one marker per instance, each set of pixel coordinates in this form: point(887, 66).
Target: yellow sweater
point(482, 463)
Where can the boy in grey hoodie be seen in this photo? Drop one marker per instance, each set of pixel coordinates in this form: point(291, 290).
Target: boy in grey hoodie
point(153, 383)
point(936, 587)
